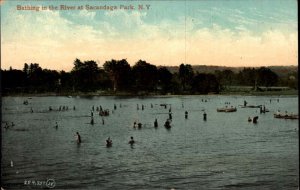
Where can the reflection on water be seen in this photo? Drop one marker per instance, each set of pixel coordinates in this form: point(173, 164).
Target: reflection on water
point(223, 152)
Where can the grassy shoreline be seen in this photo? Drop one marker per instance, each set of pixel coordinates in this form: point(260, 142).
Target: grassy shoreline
point(225, 93)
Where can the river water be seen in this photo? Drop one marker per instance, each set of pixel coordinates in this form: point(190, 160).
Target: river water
point(223, 152)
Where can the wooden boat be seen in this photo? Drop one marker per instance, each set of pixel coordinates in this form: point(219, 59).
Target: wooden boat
point(286, 116)
point(251, 106)
point(226, 110)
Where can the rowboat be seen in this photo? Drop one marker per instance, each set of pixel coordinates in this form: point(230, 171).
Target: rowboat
point(251, 106)
point(286, 116)
point(226, 110)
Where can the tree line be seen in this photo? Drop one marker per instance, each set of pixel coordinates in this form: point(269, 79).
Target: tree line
point(142, 78)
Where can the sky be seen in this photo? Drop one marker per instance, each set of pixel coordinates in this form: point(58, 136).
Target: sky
point(242, 33)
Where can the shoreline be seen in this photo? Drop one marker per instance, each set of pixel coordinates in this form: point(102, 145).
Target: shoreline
point(126, 94)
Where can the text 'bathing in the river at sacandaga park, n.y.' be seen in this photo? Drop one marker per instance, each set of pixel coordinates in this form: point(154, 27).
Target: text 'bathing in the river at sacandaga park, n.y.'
point(83, 7)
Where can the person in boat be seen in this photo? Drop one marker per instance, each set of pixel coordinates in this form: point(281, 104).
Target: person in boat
point(108, 142)
point(260, 109)
point(131, 142)
point(245, 103)
point(78, 138)
point(286, 114)
point(249, 119)
point(155, 123)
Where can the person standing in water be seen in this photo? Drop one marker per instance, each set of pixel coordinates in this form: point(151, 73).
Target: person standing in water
point(131, 142)
point(155, 123)
point(186, 114)
point(78, 138)
point(92, 121)
point(204, 116)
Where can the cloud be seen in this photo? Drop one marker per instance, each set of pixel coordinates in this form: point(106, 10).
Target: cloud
point(54, 42)
point(87, 14)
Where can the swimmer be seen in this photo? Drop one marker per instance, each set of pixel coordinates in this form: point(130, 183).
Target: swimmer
point(108, 142)
point(131, 142)
point(78, 138)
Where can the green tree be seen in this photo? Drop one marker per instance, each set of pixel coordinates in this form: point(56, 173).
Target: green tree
point(145, 76)
point(119, 72)
point(85, 75)
point(266, 77)
point(247, 77)
point(204, 83)
point(164, 79)
point(186, 75)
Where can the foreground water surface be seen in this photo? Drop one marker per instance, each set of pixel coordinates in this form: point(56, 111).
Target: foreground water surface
point(223, 152)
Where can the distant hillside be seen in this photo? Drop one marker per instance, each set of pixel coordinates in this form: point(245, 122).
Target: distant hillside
point(279, 70)
point(284, 70)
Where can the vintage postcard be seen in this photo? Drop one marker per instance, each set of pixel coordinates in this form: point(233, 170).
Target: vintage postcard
point(149, 94)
